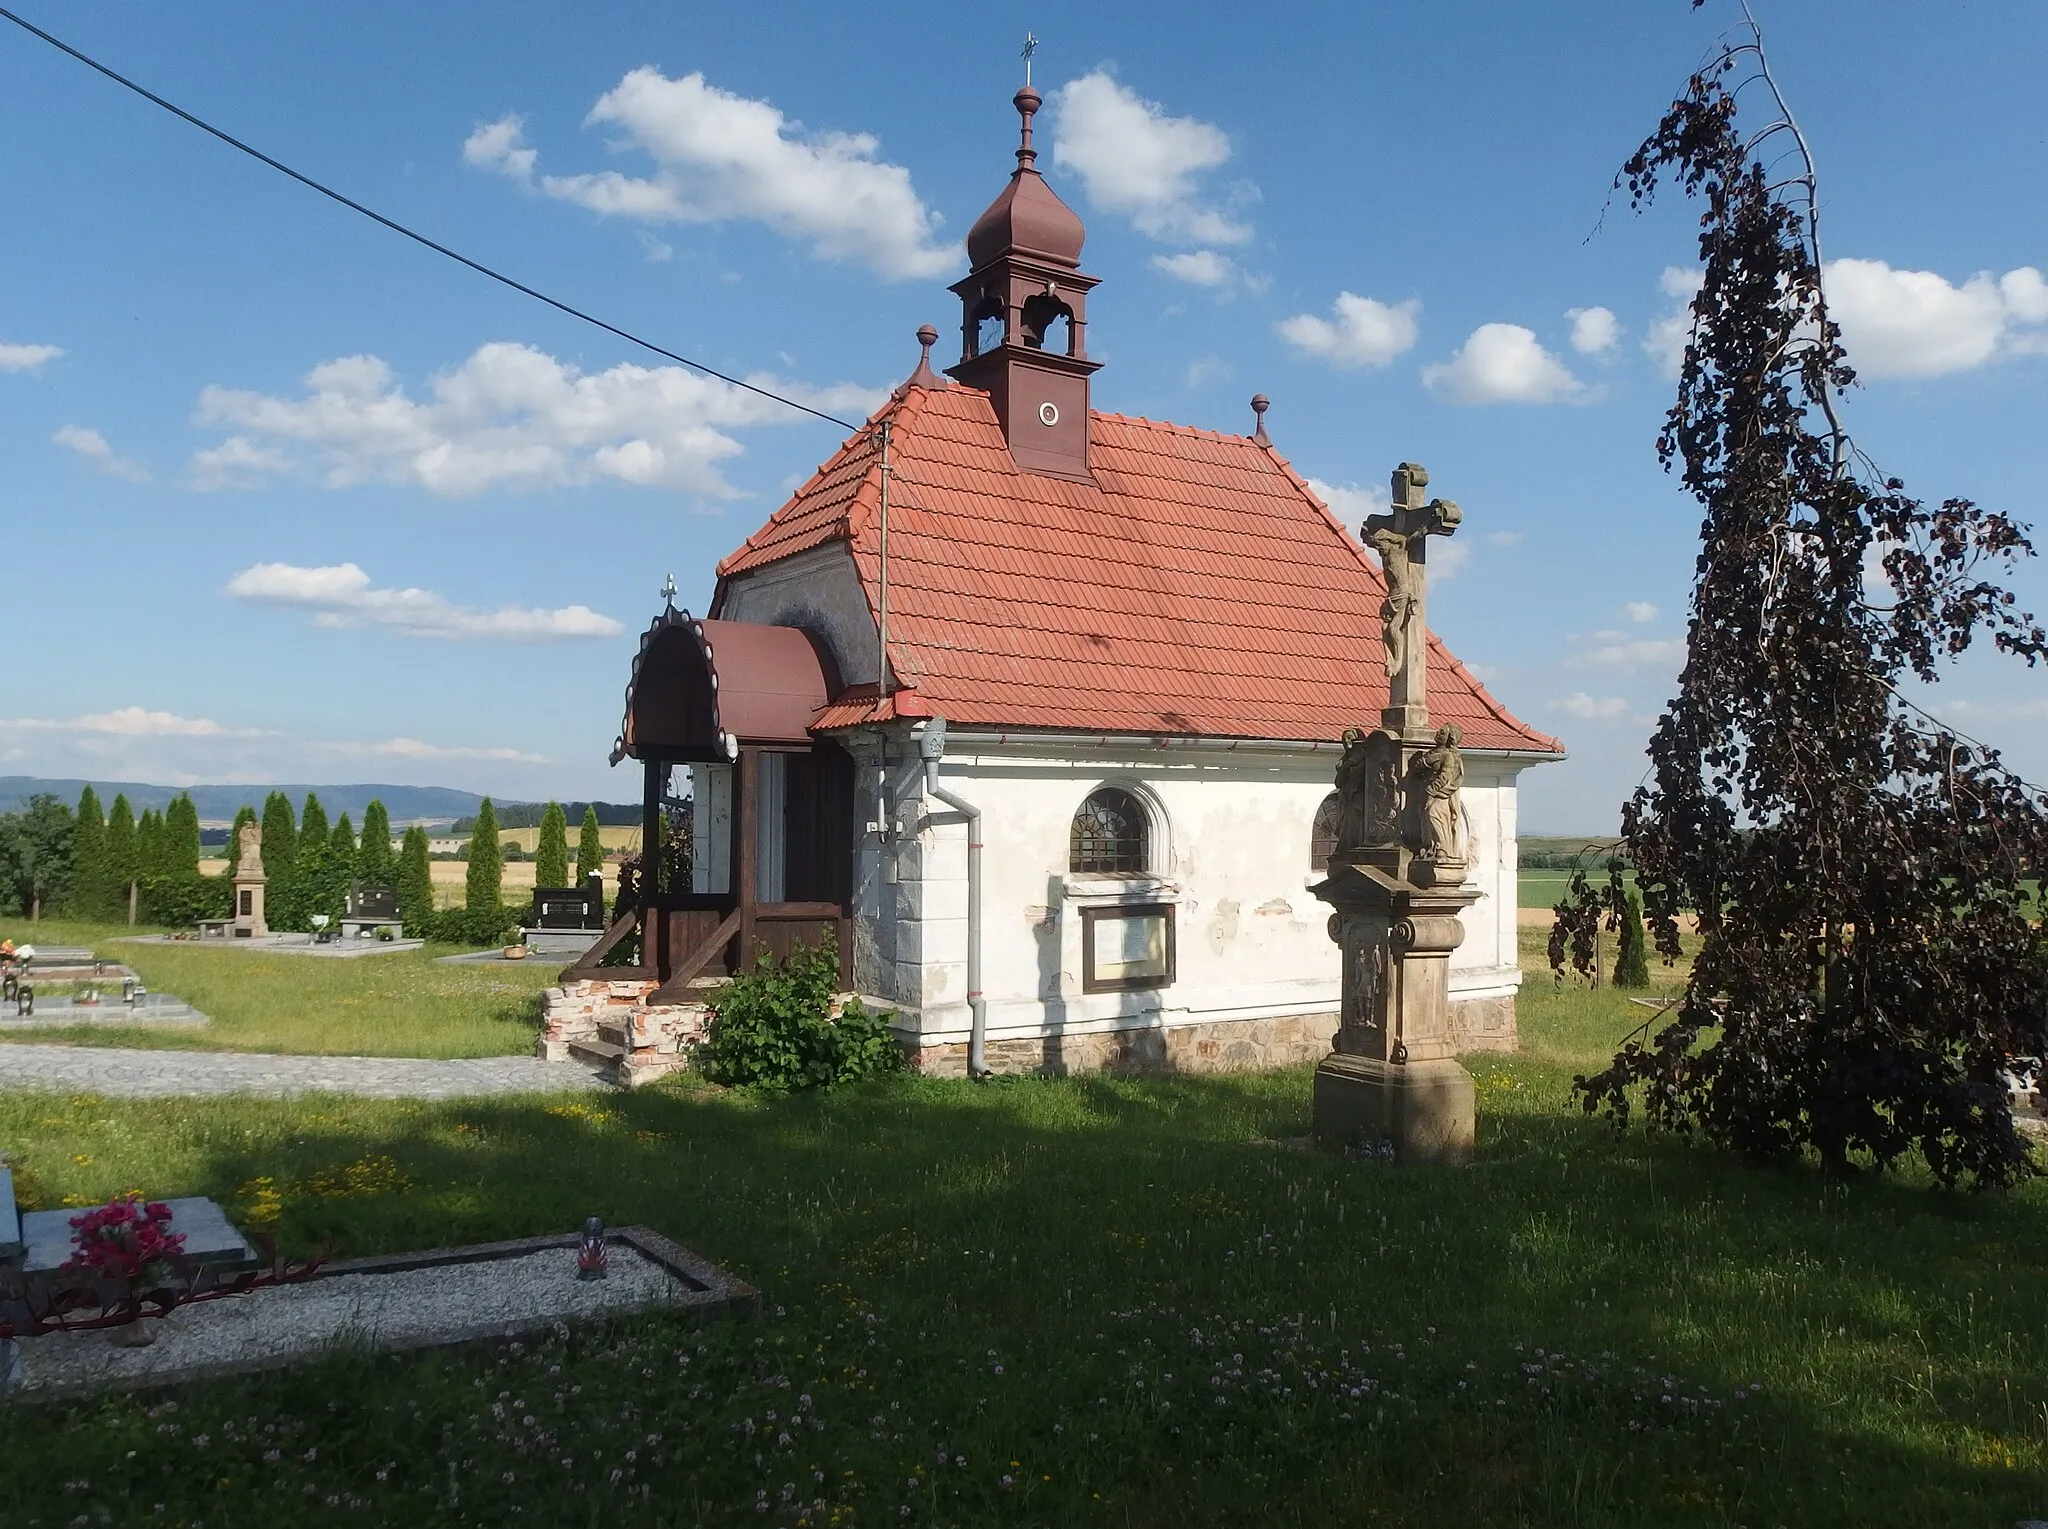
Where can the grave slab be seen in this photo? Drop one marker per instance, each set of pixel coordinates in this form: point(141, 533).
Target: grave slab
point(210, 1238)
point(10, 1219)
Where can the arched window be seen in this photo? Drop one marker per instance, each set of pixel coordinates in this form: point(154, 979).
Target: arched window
point(1108, 837)
point(1048, 324)
point(989, 323)
point(1322, 837)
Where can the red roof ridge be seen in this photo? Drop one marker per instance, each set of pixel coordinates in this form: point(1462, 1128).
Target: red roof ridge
point(1166, 424)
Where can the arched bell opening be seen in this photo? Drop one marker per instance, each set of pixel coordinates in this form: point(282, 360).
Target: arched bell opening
point(1049, 325)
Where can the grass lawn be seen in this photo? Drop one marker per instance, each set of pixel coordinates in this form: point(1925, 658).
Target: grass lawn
point(382, 1005)
point(1090, 1301)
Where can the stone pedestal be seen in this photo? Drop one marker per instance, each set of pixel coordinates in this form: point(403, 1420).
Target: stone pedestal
point(1391, 1083)
point(249, 922)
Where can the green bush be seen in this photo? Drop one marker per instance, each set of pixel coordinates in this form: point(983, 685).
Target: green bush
point(474, 926)
point(181, 901)
point(773, 1028)
point(1632, 966)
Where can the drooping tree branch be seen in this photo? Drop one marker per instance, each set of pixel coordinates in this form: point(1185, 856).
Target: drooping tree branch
point(1871, 966)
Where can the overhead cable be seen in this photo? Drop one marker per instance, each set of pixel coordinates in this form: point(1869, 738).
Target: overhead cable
point(418, 238)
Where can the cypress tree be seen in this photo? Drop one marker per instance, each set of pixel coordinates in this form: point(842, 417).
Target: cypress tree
point(280, 862)
point(486, 860)
point(181, 837)
point(149, 845)
point(551, 859)
point(416, 885)
point(341, 868)
point(312, 877)
point(243, 814)
point(1632, 966)
point(122, 866)
point(373, 855)
point(90, 896)
point(589, 847)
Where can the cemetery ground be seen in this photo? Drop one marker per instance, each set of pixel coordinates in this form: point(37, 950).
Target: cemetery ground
point(1088, 1300)
point(404, 1004)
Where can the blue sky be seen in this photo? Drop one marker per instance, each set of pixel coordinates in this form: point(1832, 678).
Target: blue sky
point(286, 497)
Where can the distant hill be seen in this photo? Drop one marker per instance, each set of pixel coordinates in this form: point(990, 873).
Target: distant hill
point(218, 804)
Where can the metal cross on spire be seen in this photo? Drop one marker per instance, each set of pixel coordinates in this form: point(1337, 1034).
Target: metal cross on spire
point(668, 592)
point(1030, 47)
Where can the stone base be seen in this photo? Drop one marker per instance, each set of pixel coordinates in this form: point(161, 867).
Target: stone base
point(1484, 1024)
point(1423, 1112)
point(1231, 1046)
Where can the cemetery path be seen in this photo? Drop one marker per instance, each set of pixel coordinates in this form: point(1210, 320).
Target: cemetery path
point(137, 1074)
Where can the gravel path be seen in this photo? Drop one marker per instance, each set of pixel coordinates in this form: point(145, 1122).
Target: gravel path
point(139, 1074)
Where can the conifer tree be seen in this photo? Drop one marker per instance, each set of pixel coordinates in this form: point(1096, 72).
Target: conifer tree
point(122, 868)
point(341, 868)
point(181, 837)
point(551, 859)
point(149, 845)
point(280, 862)
point(416, 885)
point(243, 814)
point(486, 860)
point(373, 855)
point(90, 895)
point(589, 847)
point(312, 878)
point(1632, 966)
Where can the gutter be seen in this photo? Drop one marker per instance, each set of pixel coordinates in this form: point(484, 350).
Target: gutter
point(931, 744)
point(990, 737)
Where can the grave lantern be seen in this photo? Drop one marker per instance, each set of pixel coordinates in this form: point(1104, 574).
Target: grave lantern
point(24, 1000)
point(592, 1261)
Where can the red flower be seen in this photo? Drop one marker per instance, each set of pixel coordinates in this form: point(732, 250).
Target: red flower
point(124, 1239)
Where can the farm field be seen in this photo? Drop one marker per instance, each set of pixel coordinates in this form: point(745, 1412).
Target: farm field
point(1092, 1301)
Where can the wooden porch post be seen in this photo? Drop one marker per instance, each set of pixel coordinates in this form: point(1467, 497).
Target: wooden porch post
point(653, 925)
point(747, 824)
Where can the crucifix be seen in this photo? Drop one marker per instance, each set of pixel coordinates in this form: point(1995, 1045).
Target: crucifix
point(1401, 538)
point(1030, 47)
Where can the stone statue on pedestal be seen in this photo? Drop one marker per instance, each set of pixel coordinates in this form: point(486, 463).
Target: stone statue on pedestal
point(1396, 883)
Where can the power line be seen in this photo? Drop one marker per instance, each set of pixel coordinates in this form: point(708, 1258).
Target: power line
point(418, 238)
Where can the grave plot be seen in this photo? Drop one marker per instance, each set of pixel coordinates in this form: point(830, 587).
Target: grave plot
point(411, 1301)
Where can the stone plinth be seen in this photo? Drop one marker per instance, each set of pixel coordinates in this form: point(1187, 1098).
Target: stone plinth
point(1221, 1046)
point(1391, 1082)
point(613, 1023)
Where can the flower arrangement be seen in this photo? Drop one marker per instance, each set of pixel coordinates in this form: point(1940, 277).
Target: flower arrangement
point(126, 1242)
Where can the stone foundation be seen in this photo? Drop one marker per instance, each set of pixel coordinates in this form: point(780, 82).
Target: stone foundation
point(1241, 1045)
point(611, 1023)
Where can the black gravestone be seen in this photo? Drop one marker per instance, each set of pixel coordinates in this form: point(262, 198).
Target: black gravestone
point(569, 907)
point(366, 902)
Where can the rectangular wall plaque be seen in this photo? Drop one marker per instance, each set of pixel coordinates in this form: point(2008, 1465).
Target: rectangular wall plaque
point(1126, 947)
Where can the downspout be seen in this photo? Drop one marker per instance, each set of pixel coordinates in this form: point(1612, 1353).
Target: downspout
point(931, 744)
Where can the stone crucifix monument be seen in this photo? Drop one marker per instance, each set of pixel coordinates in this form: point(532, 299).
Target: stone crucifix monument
point(1397, 882)
point(249, 882)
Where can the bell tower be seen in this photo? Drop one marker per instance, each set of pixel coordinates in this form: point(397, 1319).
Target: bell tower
point(1024, 317)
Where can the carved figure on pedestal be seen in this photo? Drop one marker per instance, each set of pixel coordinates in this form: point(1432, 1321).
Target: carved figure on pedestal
point(1439, 773)
point(1353, 785)
point(1398, 609)
point(249, 851)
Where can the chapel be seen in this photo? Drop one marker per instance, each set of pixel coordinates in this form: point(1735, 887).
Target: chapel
point(1034, 710)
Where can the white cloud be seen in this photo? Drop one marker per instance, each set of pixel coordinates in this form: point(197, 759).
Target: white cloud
point(131, 722)
point(510, 416)
point(1447, 557)
point(1503, 538)
point(1593, 708)
point(720, 157)
point(1595, 331)
point(1917, 324)
point(1618, 650)
point(93, 448)
point(1198, 268)
point(412, 748)
point(1640, 611)
point(1136, 160)
point(1348, 502)
point(1363, 333)
point(1503, 363)
point(1207, 369)
point(341, 595)
point(26, 358)
point(1665, 340)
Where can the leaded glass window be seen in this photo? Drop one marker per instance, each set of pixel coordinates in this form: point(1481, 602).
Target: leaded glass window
point(1109, 835)
point(1322, 837)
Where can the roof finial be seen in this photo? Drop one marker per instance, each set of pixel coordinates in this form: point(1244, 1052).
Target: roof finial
point(924, 376)
point(668, 593)
point(1027, 101)
point(1260, 403)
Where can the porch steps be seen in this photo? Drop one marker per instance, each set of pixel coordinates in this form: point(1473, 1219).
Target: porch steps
point(599, 1053)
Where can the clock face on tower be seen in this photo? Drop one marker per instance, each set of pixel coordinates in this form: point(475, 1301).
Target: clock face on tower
point(1048, 414)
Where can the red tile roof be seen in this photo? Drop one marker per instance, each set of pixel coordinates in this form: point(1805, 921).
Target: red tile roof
point(1198, 587)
